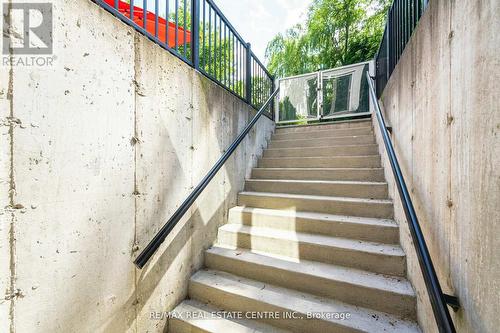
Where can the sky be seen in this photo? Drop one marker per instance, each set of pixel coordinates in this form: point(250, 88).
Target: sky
point(258, 21)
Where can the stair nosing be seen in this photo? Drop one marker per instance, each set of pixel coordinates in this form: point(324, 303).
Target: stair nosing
point(329, 182)
point(324, 130)
point(316, 197)
point(333, 218)
point(317, 128)
point(326, 138)
point(323, 157)
point(393, 250)
point(322, 147)
point(356, 121)
point(318, 169)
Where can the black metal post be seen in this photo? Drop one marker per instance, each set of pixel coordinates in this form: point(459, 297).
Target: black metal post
point(273, 105)
point(156, 18)
point(387, 50)
point(195, 33)
point(144, 14)
point(248, 78)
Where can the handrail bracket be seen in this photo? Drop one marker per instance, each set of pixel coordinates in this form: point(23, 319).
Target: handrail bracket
point(452, 301)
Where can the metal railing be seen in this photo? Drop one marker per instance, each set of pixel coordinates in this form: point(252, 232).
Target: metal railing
point(437, 298)
point(198, 33)
point(402, 20)
point(336, 93)
point(151, 248)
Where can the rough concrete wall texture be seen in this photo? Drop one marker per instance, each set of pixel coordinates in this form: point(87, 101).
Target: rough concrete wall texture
point(442, 101)
point(97, 151)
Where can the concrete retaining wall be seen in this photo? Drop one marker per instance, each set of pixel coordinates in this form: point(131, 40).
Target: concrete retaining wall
point(442, 101)
point(97, 152)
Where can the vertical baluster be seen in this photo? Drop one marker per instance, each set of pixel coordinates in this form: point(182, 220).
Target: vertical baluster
point(236, 65)
point(224, 81)
point(248, 75)
point(405, 7)
point(185, 27)
point(132, 10)
point(195, 33)
point(400, 29)
point(204, 33)
point(177, 25)
point(144, 14)
point(408, 20)
point(262, 89)
point(220, 49)
point(210, 39)
point(216, 69)
point(156, 18)
point(167, 18)
point(233, 67)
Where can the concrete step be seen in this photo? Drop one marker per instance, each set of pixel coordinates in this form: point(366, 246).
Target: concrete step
point(351, 189)
point(329, 151)
point(320, 204)
point(325, 126)
point(336, 141)
point(192, 316)
point(322, 133)
point(321, 162)
point(374, 257)
point(234, 293)
point(344, 174)
point(389, 294)
point(361, 228)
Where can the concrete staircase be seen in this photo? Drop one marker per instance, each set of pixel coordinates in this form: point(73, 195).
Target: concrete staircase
point(312, 234)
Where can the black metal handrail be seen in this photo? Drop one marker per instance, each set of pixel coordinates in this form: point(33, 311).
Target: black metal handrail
point(151, 248)
point(437, 297)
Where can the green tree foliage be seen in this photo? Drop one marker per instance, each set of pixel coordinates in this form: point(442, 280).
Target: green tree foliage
point(336, 33)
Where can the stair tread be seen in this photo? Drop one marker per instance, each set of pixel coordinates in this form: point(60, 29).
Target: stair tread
point(326, 138)
point(391, 284)
point(330, 133)
point(314, 128)
point(317, 239)
point(306, 181)
point(324, 147)
point(363, 161)
point(317, 157)
point(316, 169)
point(362, 319)
point(208, 319)
point(322, 132)
point(363, 124)
point(316, 197)
point(325, 173)
point(318, 216)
